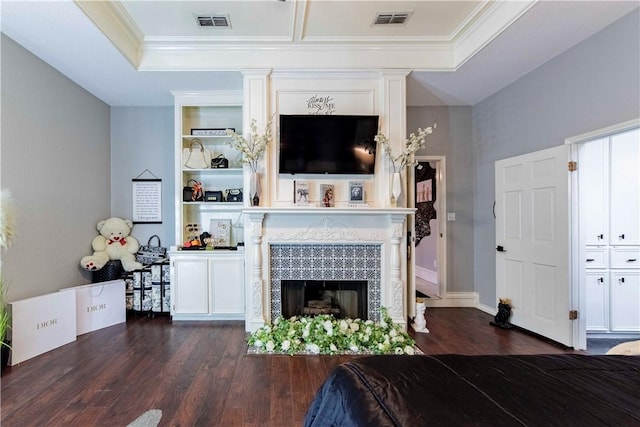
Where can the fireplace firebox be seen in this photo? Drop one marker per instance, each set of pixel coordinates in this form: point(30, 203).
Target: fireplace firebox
point(340, 298)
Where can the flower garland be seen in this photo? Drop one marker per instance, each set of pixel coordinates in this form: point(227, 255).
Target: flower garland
point(411, 145)
point(324, 334)
point(253, 147)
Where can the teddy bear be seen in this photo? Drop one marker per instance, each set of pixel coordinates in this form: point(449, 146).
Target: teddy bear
point(113, 243)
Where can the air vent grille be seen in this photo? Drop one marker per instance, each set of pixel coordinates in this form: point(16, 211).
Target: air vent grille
point(388, 18)
point(213, 21)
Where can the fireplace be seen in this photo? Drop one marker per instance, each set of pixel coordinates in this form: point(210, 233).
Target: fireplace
point(341, 298)
point(346, 269)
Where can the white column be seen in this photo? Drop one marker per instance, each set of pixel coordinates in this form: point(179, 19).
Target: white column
point(256, 296)
point(397, 289)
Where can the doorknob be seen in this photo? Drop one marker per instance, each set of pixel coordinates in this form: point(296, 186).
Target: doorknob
point(500, 249)
point(600, 236)
point(621, 237)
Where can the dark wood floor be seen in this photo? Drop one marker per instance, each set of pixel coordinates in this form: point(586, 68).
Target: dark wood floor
point(198, 374)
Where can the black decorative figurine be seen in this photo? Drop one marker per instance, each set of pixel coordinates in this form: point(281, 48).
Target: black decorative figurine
point(504, 312)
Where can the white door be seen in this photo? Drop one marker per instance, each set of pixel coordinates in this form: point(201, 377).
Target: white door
point(533, 241)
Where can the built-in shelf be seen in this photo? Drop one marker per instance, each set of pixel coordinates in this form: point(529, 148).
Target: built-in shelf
point(313, 210)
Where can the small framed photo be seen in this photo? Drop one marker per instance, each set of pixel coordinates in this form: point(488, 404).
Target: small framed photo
point(210, 132)
point(327, 194)
point(356, 192)
point(301, 192)
point(220, 230)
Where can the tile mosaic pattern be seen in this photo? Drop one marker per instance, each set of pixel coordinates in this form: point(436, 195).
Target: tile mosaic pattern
point(326, 262)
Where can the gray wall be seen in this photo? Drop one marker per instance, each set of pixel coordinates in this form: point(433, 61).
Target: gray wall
point(591, 86)
point(142, 138)
point(452, 138)
point(55, 159)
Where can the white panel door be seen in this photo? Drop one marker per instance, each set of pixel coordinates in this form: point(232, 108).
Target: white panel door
point(593, 162)
point(532, 238)
point(597, 292)
point(625, 301)
point(190, 286)
point(625, 188)
point(227, 279)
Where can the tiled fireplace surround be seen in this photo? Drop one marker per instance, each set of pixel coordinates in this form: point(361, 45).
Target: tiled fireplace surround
point(325, 244)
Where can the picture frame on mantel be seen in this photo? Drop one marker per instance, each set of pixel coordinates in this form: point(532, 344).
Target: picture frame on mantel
point(356, 192)
point(301, 192)
point(327, 195)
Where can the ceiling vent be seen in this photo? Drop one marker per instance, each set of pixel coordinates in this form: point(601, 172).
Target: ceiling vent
point(213, 21)
point(388, 18)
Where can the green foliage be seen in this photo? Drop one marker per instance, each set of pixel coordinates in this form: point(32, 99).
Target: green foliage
point(5, 317)
point(324, 334)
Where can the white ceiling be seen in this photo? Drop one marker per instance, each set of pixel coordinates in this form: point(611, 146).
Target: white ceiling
point(133, 53)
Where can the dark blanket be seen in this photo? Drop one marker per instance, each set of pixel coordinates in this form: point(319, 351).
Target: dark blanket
point(453, 390)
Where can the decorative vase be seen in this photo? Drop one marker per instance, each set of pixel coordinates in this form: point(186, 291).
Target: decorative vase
point(396, 189)
point(254, 189)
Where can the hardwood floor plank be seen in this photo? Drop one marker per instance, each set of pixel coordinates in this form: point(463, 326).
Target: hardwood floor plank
point(198, 373)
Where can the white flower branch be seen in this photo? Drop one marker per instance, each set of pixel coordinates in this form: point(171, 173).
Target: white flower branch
point(253, 147)
point(411, 145)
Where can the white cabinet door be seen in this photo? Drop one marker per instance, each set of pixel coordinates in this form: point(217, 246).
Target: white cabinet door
point(625, 188)
point(597, 288)
point(227, 285)
point(593, 160)
point(190, 286)
point(625, 301)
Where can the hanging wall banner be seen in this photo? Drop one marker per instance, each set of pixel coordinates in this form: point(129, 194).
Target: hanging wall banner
point(147, 201)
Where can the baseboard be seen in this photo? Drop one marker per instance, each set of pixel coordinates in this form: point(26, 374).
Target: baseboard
point(455, 299)
point(487, 309)
point(426, 274)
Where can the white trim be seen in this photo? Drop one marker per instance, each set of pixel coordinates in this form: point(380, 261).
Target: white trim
point(487, 309)
point(606, 131)
point(426, 274)
point(455, 299)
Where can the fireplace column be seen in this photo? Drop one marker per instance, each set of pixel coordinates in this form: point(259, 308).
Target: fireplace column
point(397, 296)
point(256, 294)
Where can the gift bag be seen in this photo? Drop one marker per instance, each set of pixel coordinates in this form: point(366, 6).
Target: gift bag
point(149, 253)
point(196, 156)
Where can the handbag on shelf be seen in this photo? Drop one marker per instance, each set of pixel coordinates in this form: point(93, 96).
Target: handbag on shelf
point(192, 192)
point(149, 253)
point(220, 162)
point(196, 157)
point(233, 195)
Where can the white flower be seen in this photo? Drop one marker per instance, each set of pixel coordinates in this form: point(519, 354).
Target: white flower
point(354, 327)
point(253, 147)
point(398, 350)
point(353, 347)
point(368, 330)
point(368, 322)
point(286, 344)
point(258, 343)
point(270, 346)
point(383, 323)
point(343, 325)
point(327, 325)
point(330, 332)
point(409, 350)
point(380, 346)
point(305, 333)
point(412, 144)
point(313, 348)
point(392, 333)
point(333, 347)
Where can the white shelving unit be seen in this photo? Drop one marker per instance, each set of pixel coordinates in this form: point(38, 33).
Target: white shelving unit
point(198, 292)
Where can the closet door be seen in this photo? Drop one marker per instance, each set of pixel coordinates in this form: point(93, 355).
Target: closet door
point(625, 188)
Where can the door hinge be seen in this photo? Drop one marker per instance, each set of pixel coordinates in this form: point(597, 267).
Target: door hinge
point(573, 166)
point(573, 314)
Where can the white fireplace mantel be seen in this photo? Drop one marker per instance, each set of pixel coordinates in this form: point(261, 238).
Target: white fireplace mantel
point(268, 226)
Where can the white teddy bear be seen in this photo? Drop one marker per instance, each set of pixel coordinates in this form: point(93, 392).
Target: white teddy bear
point(113, 243)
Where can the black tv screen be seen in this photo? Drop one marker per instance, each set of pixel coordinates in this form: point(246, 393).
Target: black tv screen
point(324, 144)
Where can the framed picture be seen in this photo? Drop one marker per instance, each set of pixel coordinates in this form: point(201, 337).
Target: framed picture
point(424, 191)
point(210, 132)
point(220, 230)
point(327, 195)
point(301, 192)
point(356, 192)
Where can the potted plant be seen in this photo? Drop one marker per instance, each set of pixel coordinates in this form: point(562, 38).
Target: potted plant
point(7, 235)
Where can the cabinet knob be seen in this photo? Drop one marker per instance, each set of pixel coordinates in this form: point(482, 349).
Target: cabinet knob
point(601, 279)
point(600, 236)
point(590, 259)
point(621, 237)
point(632, 260)
point(621, 280)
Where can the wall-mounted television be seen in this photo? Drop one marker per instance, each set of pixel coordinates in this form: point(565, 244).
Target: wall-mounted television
point(327, 144)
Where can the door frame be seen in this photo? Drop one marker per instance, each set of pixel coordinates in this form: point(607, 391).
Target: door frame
point(441, 185)
point(578, 267)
